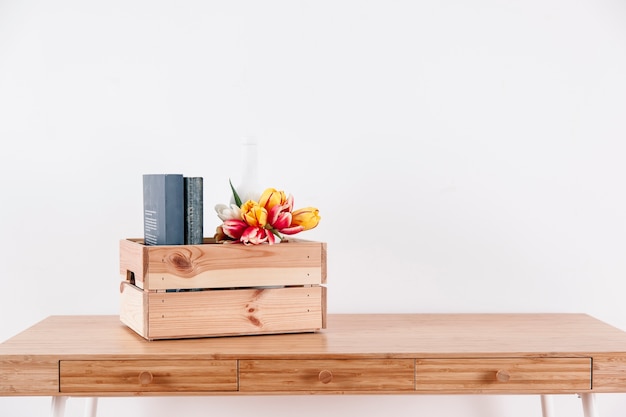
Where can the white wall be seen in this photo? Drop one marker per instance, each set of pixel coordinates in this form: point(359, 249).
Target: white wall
point(465, 156)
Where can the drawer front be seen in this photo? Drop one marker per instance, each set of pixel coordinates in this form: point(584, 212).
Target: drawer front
point(148, 376)
point(506, 374)
point(327, 375)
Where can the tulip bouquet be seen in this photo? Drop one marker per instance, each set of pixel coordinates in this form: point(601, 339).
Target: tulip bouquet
point(264, 221)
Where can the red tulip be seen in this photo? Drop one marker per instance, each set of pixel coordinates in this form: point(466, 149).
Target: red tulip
point(234, 228)
point(255, 235)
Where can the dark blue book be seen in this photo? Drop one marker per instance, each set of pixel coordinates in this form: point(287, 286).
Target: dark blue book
point(194, 216)
point(163, 208)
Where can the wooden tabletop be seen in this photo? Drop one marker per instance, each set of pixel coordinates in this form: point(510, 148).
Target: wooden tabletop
point(398, 335)
point(348, 337)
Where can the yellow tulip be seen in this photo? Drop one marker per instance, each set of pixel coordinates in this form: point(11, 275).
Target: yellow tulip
point(272, 197)
point(307, 217)
point(254, 214)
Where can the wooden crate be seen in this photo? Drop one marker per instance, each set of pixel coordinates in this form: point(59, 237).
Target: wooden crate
point(184, 291)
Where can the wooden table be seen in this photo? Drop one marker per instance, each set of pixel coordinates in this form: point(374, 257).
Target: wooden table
point(97, 356)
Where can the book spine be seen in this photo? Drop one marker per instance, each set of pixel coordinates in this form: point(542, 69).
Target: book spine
point(194, 215)
point(163, 203)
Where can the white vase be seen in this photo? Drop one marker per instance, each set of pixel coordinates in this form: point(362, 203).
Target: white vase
point(248, 187)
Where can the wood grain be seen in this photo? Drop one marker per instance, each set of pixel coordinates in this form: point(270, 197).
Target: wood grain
point(234, 312)
point(503, 374)
point(211, 289)
point(454, 353)
point(147, 376)
point(28, 375)
point(338, 375)
point(211, 265)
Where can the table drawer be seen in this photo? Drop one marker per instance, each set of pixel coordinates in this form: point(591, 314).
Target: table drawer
point(148, 376)
point(327, 375)
point(503, 374)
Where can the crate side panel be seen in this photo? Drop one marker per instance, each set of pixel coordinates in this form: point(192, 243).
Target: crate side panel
point(234, 265)
point(324, 306)
point(133, 308)
point(324, 269)
point(133, 259)
point(234, 312)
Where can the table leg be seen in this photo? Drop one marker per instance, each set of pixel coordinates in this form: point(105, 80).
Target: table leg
point(58, 406)
point(589, 405)
point(547, 406)
point(91, 407)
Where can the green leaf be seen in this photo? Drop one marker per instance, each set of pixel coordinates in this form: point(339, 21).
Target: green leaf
point(276, 233)
point(235, 195)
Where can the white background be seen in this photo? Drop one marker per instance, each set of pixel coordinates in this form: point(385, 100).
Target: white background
point(466, 156)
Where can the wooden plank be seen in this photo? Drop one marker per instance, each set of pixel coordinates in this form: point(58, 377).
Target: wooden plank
point(234, 312)
point(134, 308)
point(169, 376)
point(483, 335)
point(324, 307)
point(323, 257)
point(326, 375)
point(236, 277)
point(214, 265)
point(133, 261)
point(503, 374)
point(347, 335)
